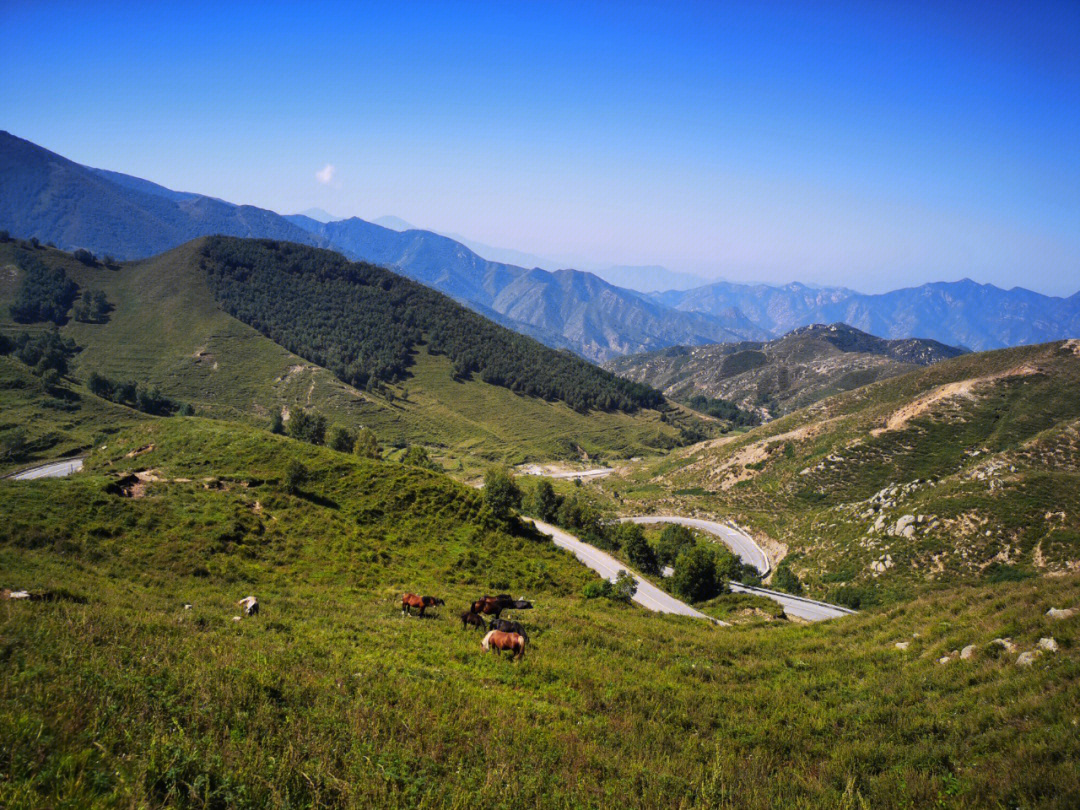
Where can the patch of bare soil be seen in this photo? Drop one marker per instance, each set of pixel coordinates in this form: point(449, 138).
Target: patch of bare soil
point(146, 448)
point(963, 388)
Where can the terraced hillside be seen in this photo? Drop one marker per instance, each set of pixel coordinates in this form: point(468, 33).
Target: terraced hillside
point(115, 694)
point(968, 470)
point(165, 328)
point(775, 377)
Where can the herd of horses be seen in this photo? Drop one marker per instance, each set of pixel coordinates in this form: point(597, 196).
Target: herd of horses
point(502, 634)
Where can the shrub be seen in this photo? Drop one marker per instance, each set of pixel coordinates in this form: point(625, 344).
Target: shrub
point(295, 476)
point(695, 575)
point(366, 445)
point(307, 426)
point(342, 440)
point(277, 423)
point(784, 579)
point(624, 587)
point(13, 444)
point(417, 456)
point(637, 549)
point(501, 492)
point(543, 502)
point(674, 539)
point(85, 256)
point(594, 590)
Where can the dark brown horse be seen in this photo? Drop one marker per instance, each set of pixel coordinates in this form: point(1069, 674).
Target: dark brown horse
point(468, 617)
point(498, 641)
point(491, 605)
point(411, 600)
point(507, 626)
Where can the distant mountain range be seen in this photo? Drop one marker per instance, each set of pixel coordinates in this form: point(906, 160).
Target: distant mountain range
point(778, 376)
point(960, 313)
point(46, 196)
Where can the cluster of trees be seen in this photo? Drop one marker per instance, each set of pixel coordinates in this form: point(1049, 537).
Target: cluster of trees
point(621, 590)
point(722, 409)
point(45, 293)
point(310, 426)
point(147, 399)
point(363, 322)
point(701, 569)
point(47, 354)
point(93, 307)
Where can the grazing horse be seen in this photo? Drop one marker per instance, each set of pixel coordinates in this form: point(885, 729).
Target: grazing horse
point(491, 605)
point(498, 641)
point(469, 617)
point(507, 626)
point(411, 600)
point(250, 606)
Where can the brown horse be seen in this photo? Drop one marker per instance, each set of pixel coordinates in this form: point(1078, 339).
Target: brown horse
point(411, 600)
point(468, 617)
point(499, 641)
point(493, 605)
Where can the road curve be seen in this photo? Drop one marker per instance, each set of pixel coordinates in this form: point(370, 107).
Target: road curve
point(740, 542)
point(54, 469)
point(648, 595)
point(799, 606)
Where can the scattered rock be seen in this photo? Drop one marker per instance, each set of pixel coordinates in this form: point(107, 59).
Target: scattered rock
point(146, 448)
point(187, 607)
point(1066, 613)
point(1027, 659)
point(236, 618)
point(968, 652)
point(903, 645)
point(1004, 642)
point(1048, 644)
point(945, 659)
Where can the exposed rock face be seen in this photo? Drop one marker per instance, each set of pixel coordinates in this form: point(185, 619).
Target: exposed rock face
point(968, 652)
point(1027, 659)
point(1004, 642)
point(1066, 613)
point(903, 645)
point(1048, 644)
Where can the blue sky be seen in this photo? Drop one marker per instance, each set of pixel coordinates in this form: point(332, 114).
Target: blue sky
point(872, 145)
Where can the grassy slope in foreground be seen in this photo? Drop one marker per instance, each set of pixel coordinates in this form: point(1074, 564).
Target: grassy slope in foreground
point(330, 698)
point(167, 330)
point(985, 448)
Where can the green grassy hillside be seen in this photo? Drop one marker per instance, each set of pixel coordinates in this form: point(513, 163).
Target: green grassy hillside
point(165, 329)
point(114, 695)
point(966, 470)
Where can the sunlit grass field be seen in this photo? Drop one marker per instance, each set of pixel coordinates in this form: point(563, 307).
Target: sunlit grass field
point(114, 695)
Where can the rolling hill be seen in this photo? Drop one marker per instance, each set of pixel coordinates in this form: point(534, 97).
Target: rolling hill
point(116, 693)
point(775, 377)
point(968, 470)
point(167, 329)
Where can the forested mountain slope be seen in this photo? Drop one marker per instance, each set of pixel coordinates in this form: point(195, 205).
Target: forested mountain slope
point(567, 307)
point(165, 328)
point(775, 377)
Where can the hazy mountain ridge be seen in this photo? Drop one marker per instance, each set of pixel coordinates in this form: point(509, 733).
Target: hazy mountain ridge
point(57, 200)
point(963, 313)
point(775, 377)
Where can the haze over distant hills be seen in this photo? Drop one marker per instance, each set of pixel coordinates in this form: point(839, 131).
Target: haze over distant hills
point(56, 200)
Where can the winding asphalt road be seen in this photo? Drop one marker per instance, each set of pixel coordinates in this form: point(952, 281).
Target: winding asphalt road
point(648, 595)
point(740, 542)
point(54, 469)
point(750, 552)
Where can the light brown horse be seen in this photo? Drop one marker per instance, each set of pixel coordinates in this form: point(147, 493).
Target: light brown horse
point(411, 600)
point(498, 641)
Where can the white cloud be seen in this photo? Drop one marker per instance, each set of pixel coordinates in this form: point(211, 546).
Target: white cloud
point(325, 175)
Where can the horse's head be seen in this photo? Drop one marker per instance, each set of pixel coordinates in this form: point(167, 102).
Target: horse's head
point(522, 604)
point(437, 601)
